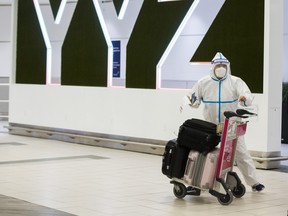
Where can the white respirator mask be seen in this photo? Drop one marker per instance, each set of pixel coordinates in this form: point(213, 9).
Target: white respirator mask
point(220, 72)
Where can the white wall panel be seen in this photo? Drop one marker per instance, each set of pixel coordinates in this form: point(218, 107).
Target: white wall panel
point(5, 59)
point(152, 114)
point(5, 40)
point(5, 23)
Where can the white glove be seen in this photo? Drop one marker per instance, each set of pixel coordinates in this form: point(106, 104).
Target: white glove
point(185, 101)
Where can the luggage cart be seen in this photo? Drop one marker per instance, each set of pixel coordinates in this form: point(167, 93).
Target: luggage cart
point(227, 183)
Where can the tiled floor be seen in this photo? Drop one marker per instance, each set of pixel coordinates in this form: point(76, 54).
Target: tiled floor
point(11, 207)
point(91, 181)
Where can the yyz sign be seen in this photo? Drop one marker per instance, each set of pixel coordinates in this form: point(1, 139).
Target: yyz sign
point(63, 18)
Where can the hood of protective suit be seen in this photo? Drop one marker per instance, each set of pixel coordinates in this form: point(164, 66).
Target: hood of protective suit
point(219, 96)
point(219, 58)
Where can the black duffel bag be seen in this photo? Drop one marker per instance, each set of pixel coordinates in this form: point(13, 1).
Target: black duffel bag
point(198, 135)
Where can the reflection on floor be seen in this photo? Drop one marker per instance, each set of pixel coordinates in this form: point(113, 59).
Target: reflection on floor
point(11, 206)
point(58, 178)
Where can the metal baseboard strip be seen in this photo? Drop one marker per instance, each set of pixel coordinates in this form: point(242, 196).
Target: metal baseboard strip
point(280, 158)
point(156, 149)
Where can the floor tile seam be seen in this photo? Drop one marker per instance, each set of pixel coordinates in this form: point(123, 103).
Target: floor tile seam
point(94, 157)
point(77, 207)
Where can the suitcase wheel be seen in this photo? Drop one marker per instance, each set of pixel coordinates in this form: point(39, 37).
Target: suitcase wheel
point(239, 191)
point(226, 199)
point(179, 190)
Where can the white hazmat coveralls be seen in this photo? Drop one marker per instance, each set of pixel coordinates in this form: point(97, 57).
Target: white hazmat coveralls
point(218, 96)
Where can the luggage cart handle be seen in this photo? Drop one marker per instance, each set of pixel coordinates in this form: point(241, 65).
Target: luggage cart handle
point(229, 114)
point(241, 113)
point(245, 112)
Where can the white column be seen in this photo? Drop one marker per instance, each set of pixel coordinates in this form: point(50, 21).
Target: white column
point(271, 104)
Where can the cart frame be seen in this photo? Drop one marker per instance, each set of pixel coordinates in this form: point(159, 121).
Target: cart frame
point(227, 183)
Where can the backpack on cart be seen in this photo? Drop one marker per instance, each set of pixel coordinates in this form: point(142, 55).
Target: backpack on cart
point(198, 135)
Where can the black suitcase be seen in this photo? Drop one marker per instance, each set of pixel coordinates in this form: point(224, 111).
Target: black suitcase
point(201, 125)
point(174, 160)
point(198, 135)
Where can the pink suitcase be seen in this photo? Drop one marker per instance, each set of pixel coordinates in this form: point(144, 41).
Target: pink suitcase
point(194, 168)
point(209, 170)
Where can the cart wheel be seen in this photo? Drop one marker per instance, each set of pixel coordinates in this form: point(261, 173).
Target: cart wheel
point(227, 199)
point(179, 191)
point(239, 191)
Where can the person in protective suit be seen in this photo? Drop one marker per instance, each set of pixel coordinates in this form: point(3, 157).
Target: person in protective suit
point(220, 92)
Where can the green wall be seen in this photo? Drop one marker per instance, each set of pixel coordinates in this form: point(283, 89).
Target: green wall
point(31, 50)
point(84, 52)
point(55, 4)
point(118, 5)
point(238, 32)
point(149, 39)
